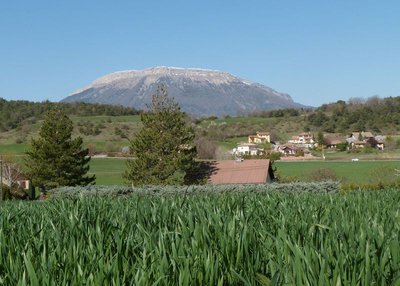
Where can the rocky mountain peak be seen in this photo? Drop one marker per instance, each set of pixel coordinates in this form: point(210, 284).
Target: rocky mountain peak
point(200, 92)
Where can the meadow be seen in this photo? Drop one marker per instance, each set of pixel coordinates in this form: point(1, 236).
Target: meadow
point(16, 141)
point(268, 238)
point(361, 172)
point(109, 170)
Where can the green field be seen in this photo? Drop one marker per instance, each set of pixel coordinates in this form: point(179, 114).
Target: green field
point(106, 118)
point(13, 149)
point(348, 172)
point(237, 120)
point(109, 170)
point(232, 142)
point(267, 238)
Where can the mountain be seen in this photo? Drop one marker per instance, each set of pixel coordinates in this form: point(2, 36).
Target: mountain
point(199, 92)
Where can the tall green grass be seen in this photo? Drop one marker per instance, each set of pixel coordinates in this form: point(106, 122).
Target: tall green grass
point(265, 238)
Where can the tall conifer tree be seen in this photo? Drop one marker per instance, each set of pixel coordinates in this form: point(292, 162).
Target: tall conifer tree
point(163, 149)
point(55, 159)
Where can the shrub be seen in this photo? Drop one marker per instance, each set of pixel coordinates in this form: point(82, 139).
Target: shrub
point(323, 174)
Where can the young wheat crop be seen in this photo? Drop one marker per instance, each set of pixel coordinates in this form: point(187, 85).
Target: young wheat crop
point(268, 238)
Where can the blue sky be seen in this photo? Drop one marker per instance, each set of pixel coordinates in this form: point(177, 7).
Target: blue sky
point(317, 51)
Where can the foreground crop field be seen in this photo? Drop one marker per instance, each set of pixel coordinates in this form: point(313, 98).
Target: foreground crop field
point(265, 238)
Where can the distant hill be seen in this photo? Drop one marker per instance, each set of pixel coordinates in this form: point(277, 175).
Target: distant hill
point(199, 92)
point(15, 113)
point(379, 115)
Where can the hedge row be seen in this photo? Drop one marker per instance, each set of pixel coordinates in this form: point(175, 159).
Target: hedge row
point(310, 187)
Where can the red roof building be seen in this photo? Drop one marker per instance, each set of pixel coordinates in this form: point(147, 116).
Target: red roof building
point(242, 172)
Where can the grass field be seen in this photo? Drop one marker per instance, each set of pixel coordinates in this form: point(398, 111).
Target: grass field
point(13, 149)
point(268, 238)
point(237, 120)
point(106, 118)
point(232, 142)
point(348, 172)
point(109, 170)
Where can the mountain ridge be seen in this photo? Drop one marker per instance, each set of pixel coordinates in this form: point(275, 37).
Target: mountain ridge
point(200, 92)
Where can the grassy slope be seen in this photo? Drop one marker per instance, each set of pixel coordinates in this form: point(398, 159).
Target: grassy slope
point(102, 142)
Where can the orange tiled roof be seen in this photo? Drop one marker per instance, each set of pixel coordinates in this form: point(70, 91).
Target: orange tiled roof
point(240, 172)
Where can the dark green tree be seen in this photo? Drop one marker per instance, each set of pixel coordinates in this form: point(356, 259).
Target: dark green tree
point(321, 138)
point(55, 159)
point(163, 150)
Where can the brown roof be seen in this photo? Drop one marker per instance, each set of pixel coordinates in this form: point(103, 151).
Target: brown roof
point(333, 140)
point(241, 172)
point(363, 134)
point(289, 146)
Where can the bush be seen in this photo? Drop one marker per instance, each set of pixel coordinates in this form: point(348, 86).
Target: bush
point(323, 174)
point(19, 140)
point(205, 148)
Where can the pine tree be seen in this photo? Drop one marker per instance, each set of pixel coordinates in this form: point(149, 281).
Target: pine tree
point(55, 159)
point(163, 149)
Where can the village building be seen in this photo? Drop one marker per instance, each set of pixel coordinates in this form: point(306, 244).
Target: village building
point(13, 176)
point(380, 140)
point(247, 149)
point(290, 150)
point(251, 171)
point(304, 140)
point(332, 141)
point(259, 138)
point(358, 140)
point(359, 136)
point(358, 144)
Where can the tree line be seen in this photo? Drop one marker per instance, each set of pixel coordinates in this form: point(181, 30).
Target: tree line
point(379, 115)
point(15, 113)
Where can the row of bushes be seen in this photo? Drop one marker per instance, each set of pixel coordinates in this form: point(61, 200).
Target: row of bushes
point(312, 187)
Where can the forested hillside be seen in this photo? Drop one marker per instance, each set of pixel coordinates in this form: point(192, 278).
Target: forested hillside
point(380, 115)
point(13, 114)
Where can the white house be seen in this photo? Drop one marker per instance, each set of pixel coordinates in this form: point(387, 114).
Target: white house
point(247, 149)
point(303, 140)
